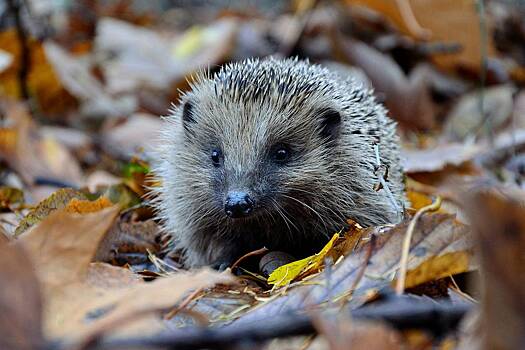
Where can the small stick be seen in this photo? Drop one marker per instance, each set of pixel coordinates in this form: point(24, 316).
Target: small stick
point(183, 305)
point(247, 255)
point(410, 20)
point(384, 184)
point(400, 285)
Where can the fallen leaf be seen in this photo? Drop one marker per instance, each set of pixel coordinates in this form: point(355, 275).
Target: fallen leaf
point(75, 140)
point(498, 221)
point(436, 158)
point(136, 135)
point(417, 200)
point(122, 195)
point(444, 265)
point(145, 299)
point(83, 300)
point(43, 82)
point(63, 244)
point(435, 235)
point(35, 157)
point(433, 159)
point(287, 273)
point(466, 118)
point(57, 200)
point(128, 241)
point(461, 26)
point(101, 179)
point(407, 98)
point(144, 58)
point(75, 75)
point(20, 301)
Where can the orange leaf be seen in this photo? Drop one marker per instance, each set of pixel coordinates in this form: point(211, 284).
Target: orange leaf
point(86, 206)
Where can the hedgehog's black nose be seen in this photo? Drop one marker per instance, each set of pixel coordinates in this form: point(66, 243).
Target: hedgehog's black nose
point(238, 205)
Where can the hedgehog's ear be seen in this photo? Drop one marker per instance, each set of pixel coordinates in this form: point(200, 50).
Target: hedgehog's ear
point(187, 115)
point(330, 123)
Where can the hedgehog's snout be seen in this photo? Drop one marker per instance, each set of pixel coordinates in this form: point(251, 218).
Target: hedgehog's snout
point(238, 204)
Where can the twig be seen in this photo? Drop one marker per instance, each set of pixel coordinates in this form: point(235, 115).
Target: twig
point(460, 292)
point(382, 181)
point(247, 255)
point(183, 305)
point(25, 54)
point(410, 20)
point(400, 312)
point(403, 264)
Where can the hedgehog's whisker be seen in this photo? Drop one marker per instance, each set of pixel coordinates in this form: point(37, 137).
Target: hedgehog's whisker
point(337, 214)
point(321, 218)
point(282, 213)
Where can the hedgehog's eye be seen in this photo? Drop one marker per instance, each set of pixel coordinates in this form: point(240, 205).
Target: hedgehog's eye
point(281, 154)
point(216, 157)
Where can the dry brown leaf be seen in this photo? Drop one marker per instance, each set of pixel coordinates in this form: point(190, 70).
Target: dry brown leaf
point(142, 57)
point(435, 235)
point(63, 244)
point(466, 120)
point(107, 276)
point(82, 299)
point(20, 301)
point(436, 257)
point(75, 140)
point(406, 97)
point(417, 200)
point(445, 156)
point(136, 135)
point(143, 300)
point(57, 200)
point(449, 21)
point(35, 156)
point(76, 76)
point(126, 237)
point(436, 158)
point(499, 223)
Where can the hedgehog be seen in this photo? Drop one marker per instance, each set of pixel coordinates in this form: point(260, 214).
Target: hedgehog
point(275, 153)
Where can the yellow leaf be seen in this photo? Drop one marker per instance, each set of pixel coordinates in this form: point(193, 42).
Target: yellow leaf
point(418, 200)
point(287, 273)
point(438, 267)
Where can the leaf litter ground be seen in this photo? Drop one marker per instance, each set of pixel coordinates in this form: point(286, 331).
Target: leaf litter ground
point(89, 263)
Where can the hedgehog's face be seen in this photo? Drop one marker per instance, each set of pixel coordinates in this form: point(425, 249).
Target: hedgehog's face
point(262, 161)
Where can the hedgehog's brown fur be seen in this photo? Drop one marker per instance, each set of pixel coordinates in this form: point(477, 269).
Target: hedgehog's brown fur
point(330, 124)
